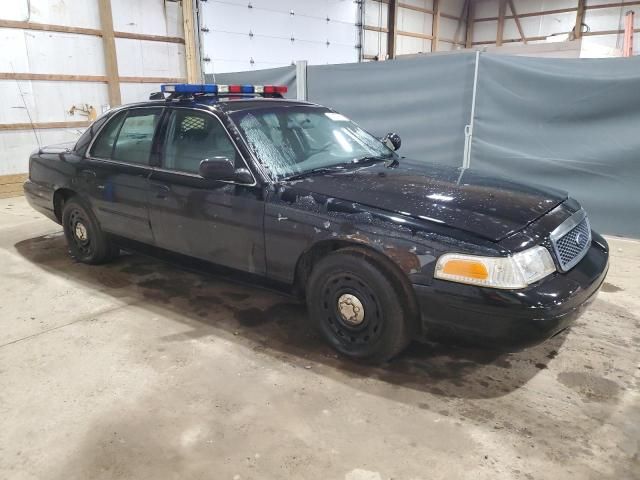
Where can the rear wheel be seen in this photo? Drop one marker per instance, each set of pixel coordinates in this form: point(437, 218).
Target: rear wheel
point(86, 240)
point(356, 304)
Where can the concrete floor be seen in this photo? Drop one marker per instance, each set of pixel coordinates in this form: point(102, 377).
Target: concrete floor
point(140, 370)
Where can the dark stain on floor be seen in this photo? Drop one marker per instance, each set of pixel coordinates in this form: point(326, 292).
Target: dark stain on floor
point(278, 325)
point(591, 388)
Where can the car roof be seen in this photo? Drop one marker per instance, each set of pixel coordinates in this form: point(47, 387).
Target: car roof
point(223, 104)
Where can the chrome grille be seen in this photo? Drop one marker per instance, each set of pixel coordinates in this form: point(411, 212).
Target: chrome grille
point(571, 240)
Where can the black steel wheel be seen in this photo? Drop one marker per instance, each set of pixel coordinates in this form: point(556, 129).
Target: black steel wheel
point(354, 303)
point(86, 240)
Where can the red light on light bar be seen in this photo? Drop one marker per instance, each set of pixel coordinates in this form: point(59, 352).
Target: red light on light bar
point(235, 88)
point(275, 89)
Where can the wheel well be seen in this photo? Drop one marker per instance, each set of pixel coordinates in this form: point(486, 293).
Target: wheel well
point(309, 258)
point(321, 249)
point(60, 197)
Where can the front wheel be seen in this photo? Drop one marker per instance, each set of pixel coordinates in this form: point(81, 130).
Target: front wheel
point(355, 304)
point(86, 240)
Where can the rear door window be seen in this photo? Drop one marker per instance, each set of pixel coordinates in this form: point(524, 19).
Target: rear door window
point(192, 137)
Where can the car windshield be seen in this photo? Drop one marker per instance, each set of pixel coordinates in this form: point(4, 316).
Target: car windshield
point(294, 140)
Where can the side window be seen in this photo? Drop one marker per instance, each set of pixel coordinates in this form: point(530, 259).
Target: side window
point(103, 146)
point(85, 139)
point(192, 137)
point(135, 138)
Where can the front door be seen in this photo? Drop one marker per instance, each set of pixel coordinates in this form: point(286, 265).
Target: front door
point(221, 222)
point(116, 171)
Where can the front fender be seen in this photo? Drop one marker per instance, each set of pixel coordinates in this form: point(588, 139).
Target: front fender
point(297, 222)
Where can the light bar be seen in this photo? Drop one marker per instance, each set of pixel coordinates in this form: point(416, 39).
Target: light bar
point(189, 88)
point(222, 89)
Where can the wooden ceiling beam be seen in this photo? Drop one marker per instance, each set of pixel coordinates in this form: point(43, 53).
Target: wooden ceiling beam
point(517, 20)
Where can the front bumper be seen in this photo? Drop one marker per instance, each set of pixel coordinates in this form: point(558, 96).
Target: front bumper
point(513, 319)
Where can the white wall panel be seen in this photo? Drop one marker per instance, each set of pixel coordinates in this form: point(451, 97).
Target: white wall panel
point(606, 45)
point(375, 43)
point(15, 146)
point(409, 45)
point(48, 101)
point(50, 52)
point(420, 3)
point(448, 29)
point(137, 92)
point(485, 31)
point(152, 17)
point(68, 12)
point(142, 58)
point(14, 56)
point(273, 23)
point(452, 7)
point(446, 47)
point(375, 13)
point(610, 18)
point(412, 21)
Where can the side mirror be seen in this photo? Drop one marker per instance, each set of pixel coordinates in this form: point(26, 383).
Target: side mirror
point(393, 141)
point(221, 168)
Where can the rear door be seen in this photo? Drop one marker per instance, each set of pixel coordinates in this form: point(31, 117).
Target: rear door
point(218, 221)
point(115, 173)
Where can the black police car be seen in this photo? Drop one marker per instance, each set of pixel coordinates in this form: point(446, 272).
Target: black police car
point(384, 249)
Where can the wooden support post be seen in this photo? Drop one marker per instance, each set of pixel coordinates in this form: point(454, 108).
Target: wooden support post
point(470, 21)
point(110, 56)
point(190, 44)
point(577, 30)
point(517, 20)
point(435, 26)
point(502, 9)
point(627, 46)
point(392, 18)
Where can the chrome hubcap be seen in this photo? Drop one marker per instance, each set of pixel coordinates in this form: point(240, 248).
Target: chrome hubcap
point(81, 232)
point(351, 309)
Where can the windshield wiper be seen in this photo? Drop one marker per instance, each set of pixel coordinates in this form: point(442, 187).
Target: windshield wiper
point(338, 167)
point(371, 158)
point(313, 171)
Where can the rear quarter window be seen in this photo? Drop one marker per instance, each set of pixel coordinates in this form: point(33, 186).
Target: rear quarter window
point(103, 146)
point(85, 139)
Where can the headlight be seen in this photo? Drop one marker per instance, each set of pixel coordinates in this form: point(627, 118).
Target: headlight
point(514, 271)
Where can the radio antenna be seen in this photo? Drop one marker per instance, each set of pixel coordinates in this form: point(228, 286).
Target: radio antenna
point(24, 102)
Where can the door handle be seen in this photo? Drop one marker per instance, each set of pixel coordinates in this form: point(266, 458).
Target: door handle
point(161, 189)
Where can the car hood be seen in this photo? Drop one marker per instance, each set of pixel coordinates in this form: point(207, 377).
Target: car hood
point(489, 207)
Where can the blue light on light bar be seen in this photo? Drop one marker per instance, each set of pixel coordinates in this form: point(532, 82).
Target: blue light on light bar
point(189, 88)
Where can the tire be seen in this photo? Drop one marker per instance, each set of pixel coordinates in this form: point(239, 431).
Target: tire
point(374, 326)
point(86, 240)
